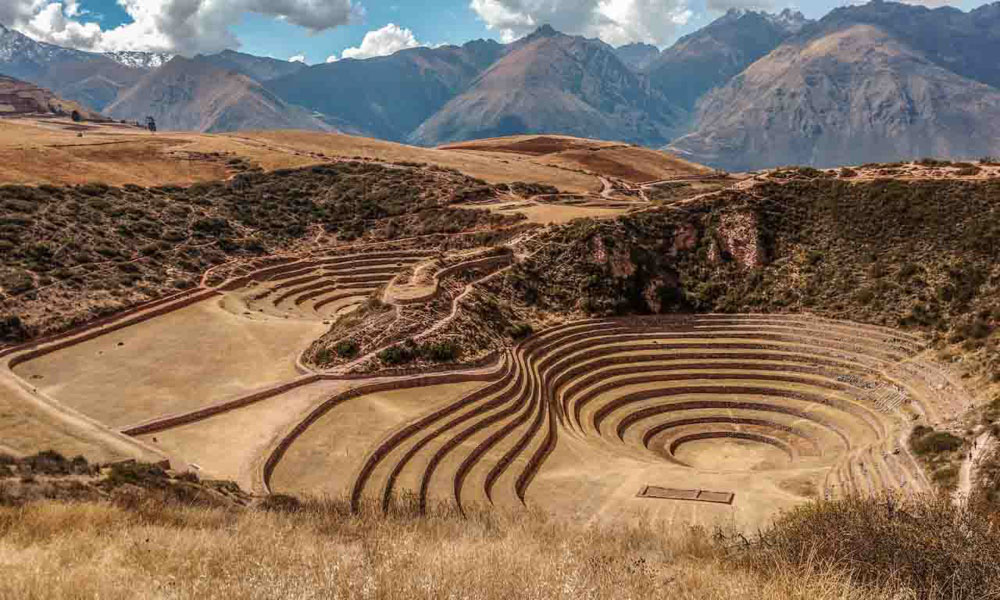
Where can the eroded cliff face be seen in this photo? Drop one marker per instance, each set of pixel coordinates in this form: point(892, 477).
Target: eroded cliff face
point(737, 238)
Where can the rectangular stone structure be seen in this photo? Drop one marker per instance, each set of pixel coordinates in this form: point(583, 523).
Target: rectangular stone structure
point(662, 493)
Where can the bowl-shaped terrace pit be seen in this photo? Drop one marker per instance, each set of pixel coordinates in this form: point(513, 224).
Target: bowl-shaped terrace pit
point(581, 418)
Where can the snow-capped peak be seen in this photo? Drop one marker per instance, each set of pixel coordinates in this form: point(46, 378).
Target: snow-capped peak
point(139, 60)
point(791, 22)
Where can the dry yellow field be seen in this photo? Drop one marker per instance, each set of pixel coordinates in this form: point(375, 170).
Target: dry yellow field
point(175, 363)
point(118, 154)
point(324, 460)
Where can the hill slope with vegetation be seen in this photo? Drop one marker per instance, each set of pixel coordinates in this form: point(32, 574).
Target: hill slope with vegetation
point(71, 254)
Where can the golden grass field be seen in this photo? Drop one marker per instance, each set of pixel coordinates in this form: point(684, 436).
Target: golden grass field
point(103, 551)
point(116, 154)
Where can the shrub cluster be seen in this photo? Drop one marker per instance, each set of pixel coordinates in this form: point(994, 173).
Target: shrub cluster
point(409, 351)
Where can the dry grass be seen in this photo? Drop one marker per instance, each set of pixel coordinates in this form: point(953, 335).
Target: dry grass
point(924, 547)
point(156, 550)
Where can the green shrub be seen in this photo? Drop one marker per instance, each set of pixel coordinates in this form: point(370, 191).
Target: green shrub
point(521, 330)
point(347, 349)
point(135, 473)
point(396, 355)
point(440, 351)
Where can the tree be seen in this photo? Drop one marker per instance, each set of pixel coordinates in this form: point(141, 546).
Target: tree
point(75, 115)
point(151, 124)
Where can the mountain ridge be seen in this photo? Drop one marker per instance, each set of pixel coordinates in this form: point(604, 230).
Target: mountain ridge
point(846, 91)
point(706, 95)
point(549, 82)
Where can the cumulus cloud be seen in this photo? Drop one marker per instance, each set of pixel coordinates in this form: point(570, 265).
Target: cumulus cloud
point(299, 58)
point(614, 21)
point(177, 26)
point(381, 42)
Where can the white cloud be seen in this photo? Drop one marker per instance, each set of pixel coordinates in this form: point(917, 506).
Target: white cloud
point(614, 21)
point(177, 26)
point(382, 42)
point(299, 58)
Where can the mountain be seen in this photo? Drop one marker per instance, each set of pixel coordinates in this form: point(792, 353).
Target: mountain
point(389, 96)
point(712, 55)
point(637, 57)
point(966, 43)
point(554, 83)
point(21, 97)
point(843, 93)
point(86, 77)
point(196, 95)
point(255, 67)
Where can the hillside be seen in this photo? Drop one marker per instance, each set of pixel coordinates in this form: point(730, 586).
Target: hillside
point(749, 90)
point(258, 68)
point(196, 95)
point(637, 57)
point(799, 370)
point(549, 82)
point(809, 102)
point(22, 98)
point(387, 97)
point(91, 79)
point(312, 547)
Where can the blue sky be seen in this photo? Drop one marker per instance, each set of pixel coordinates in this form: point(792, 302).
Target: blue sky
point(431, 22)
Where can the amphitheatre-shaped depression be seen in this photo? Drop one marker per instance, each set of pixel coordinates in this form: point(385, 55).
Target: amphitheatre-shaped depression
point(582, 416)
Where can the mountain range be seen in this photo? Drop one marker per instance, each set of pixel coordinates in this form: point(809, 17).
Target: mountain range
point(878, 82)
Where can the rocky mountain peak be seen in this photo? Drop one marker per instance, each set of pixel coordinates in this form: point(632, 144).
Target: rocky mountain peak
point(790, 21)
point(545, 31)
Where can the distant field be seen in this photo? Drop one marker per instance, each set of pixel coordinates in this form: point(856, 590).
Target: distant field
point(631, 163)
point(118, 154)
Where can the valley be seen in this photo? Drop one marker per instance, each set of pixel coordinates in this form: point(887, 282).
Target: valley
point(626, 300)
point(409, 354)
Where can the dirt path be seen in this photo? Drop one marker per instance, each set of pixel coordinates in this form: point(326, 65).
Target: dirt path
point(967, 474)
